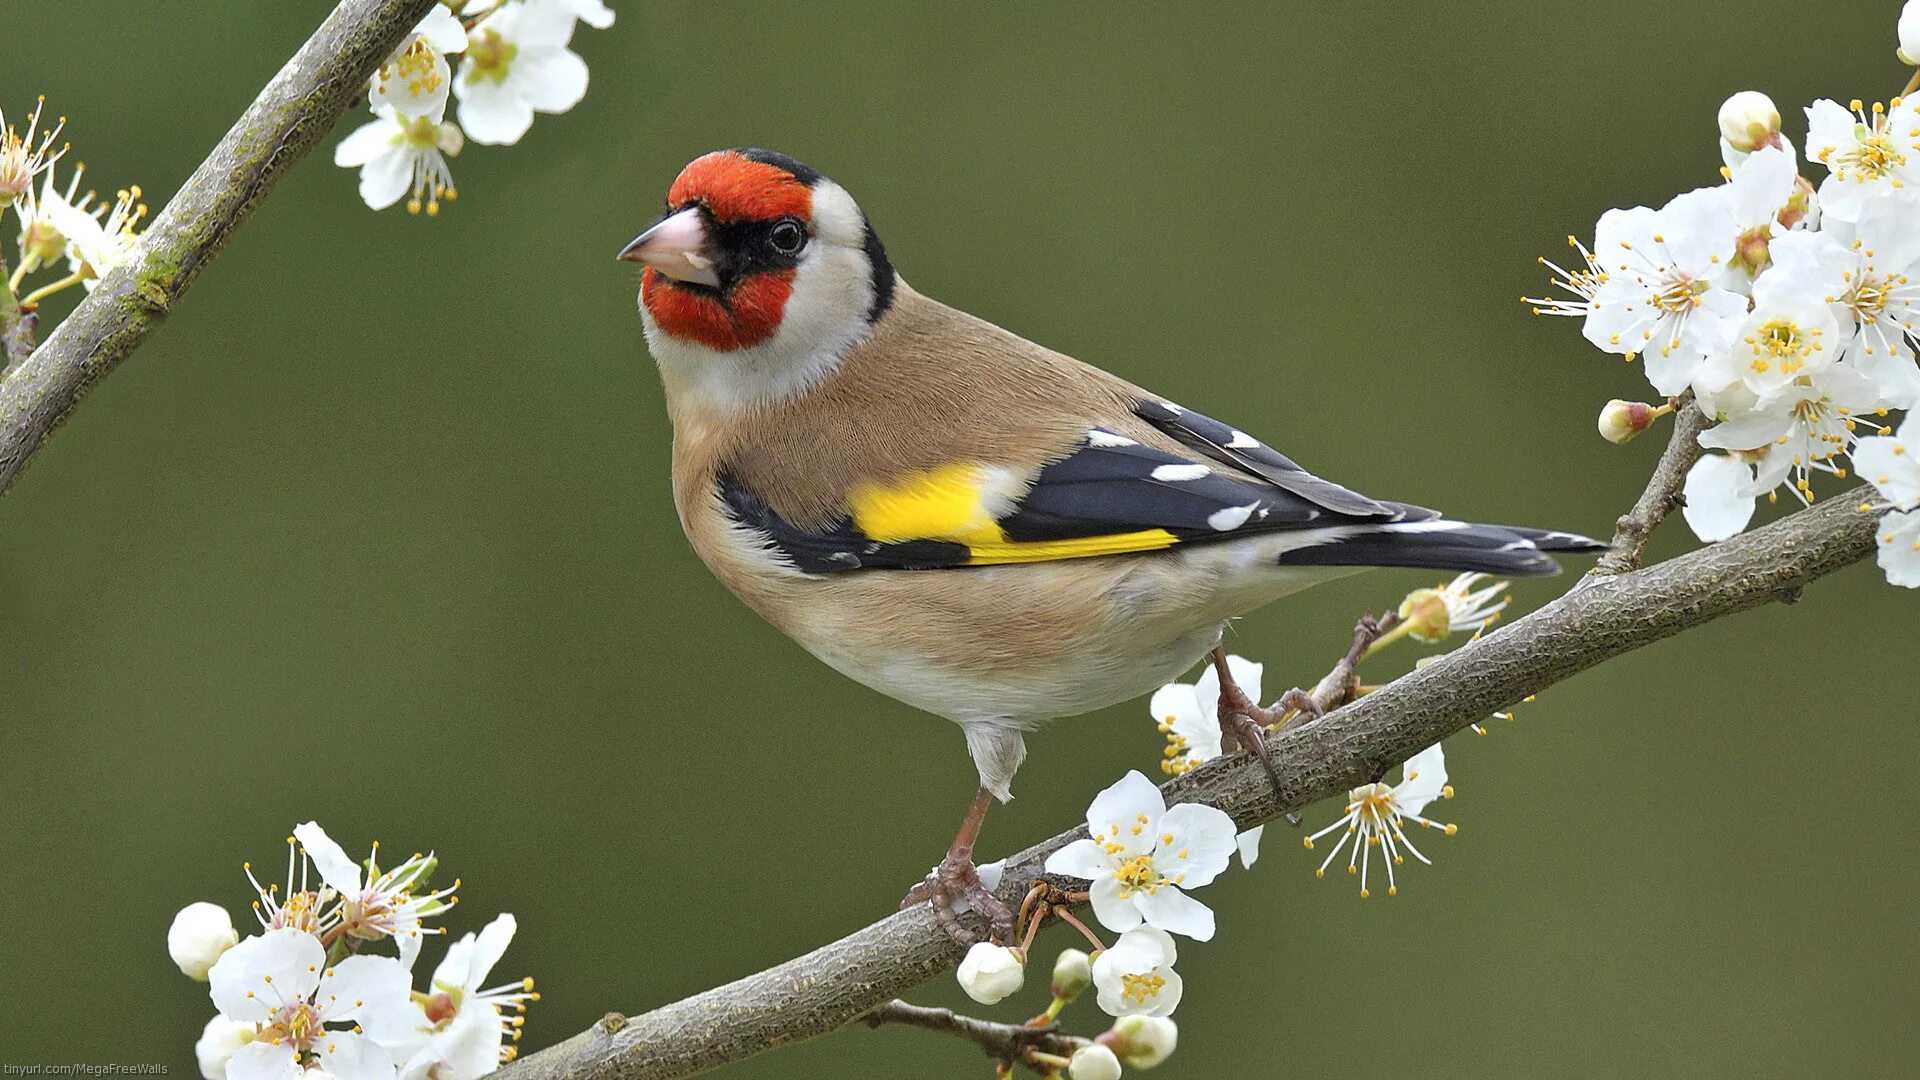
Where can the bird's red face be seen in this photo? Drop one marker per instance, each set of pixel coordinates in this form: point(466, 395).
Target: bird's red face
point(721, 263)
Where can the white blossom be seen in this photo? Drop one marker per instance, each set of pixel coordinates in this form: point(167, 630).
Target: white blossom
point(1376, 814)
point(1142, 855)
point(1430, 615)
point(1909, 31)
point(1654, 284)
point(457, 1029)
point(383, 904)
point(1888, 462)
point(1899, 555)
point(415, 79)
point(98, 238)
point(1188, 714)
point(1135, 977)
point(1806, 426)
point(400, 155)
point(281, 982)
point(1866, 271)
point(517, 64)
point(199, 934)
point(989, 972)
point(1867, 152)
point(23, 157)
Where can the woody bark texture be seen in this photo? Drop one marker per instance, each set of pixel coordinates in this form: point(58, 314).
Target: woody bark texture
point(1602, 617)
point(289, 118)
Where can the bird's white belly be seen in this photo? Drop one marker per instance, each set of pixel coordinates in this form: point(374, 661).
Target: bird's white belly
point(1068, 685)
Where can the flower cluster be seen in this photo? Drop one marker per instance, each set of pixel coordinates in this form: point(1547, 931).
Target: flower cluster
point(1142, 859)
point(514, 61)
point(1786, 313)
point(59, 227)
point(303, 997)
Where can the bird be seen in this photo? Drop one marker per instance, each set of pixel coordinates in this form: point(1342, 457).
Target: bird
point(961, 519)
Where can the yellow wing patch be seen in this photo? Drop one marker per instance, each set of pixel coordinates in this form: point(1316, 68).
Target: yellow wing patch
point(958, 504)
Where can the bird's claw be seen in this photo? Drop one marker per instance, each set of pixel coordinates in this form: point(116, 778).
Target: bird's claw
point(956, 880)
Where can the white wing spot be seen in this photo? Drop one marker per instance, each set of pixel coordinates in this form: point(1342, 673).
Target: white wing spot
point(1242, 441)
point(1181, 472)
point(1096, 437)
point(1232, 517)
point(1172, 408)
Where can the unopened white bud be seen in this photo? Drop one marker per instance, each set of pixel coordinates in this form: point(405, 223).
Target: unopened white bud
point(218, 1042)
point(1749, 120)
point(200, 933)
point(991, 972)
point(1143, 1041)
point(1621, 420)
point(1072, 973)
point(1094, 1062)
point(1910, 32)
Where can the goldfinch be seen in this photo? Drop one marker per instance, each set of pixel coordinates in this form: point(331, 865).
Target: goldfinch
point(955, 516)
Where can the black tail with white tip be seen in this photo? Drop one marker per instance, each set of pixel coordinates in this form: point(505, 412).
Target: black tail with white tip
point(1440, 544)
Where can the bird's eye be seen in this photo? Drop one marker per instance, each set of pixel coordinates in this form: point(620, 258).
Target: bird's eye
point(787, 236)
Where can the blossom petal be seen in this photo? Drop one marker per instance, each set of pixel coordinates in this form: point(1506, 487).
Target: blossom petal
point(348, 1056)
point(1202, 842)
point(1899, 553)
point(490, 947)
point(1114, 913)
point(491, 112)
point(1131, 801)
point(1080, 859)
point(264, 1061)
point(263, 971)
point(550, 80)
point(368, 141)
point(1249, 844)
point(1423, 778)
point(1719, 493)
point(385, 179)
point(362, 984)
point(336, 869)
point(1169, 909)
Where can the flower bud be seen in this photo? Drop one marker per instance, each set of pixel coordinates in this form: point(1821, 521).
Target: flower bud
point(1143, 1041)
point(1910, 32)
point(1426, 614)
point(1621, 420)
point(218, 1042)
point(1749, 120)
point(200, 933)
point(1094, 1062)
point(991, 972)
point(1072, 973)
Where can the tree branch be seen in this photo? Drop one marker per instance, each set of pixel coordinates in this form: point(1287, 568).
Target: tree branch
point(1603, 617)
point(1002, 1042)
point(289, 118)
point(1635, 528)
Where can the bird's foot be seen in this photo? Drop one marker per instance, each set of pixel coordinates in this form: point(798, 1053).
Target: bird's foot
point(954, 888)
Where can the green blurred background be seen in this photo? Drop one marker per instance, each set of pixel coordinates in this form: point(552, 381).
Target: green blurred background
point(377, 530)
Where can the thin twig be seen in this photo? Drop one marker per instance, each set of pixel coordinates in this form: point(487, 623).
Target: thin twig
point(289, 118)
point(1002, 1042)
point(1635, 528)
point(1610, 615)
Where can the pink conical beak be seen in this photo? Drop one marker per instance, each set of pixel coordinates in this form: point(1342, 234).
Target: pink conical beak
point(677, 247)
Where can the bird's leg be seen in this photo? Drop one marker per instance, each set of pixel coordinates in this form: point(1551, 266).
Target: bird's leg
point(1242, 720)
point(957, 879)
